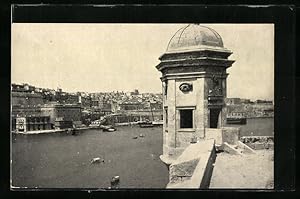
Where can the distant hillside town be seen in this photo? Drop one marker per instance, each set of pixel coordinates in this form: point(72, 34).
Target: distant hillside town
point(44, 108)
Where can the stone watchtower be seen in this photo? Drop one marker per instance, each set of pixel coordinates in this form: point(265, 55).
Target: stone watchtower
point(194, 87)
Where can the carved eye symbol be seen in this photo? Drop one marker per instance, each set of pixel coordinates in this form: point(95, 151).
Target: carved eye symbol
point(185, 87)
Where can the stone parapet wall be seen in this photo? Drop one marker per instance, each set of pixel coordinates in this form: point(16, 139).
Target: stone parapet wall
point(193, 168)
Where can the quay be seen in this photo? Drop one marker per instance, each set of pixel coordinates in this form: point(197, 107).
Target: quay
point(49, 131)
point(80, 128)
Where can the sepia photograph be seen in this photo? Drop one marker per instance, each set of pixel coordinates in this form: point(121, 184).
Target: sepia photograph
point(114, 106)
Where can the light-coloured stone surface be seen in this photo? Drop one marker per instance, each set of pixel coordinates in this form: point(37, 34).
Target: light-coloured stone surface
point(245, 148)
point(248, 171)
point(186, 98)
point(200, 113)
point(231, 149)
point(189, 168)
point(171, 154)
point(214, 134)
point(182, 171)
point(194, 151)
point(184, 139)
point(231, 135)
point(171, 100)
point(165, 159)
point(204, 67)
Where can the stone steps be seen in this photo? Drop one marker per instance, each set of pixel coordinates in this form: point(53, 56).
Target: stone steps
point(237, 149)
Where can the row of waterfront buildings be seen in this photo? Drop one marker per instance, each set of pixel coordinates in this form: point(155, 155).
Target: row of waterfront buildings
point(42, 109)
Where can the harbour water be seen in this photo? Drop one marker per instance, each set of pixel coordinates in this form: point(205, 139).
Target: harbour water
point(64, 161)
point(257, 127)
point(61, 160)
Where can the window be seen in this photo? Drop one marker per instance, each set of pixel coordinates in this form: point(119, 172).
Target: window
point(186, 118)
point(165, 86)
point(214, 117)
point(166, 116)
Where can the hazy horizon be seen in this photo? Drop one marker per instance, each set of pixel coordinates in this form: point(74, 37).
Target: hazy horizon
point(122, 57)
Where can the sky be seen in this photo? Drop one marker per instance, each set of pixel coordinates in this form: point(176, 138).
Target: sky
point(122, 57)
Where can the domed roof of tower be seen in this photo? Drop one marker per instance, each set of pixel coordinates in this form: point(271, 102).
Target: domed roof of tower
point(194, 36)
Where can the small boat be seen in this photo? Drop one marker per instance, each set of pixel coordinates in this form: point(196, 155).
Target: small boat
point(115, 181)
point(236, 121)
point(236, 118)
point(96, 124)
point(108, 128)
point(142, 135)
point(111, 129)
point(97, 160)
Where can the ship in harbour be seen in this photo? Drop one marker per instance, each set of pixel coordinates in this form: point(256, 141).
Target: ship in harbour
point(236, 118)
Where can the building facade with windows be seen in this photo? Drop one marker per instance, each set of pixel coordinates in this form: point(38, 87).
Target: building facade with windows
point(62, 112)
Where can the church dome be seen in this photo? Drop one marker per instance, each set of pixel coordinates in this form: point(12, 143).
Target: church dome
point(193, 37)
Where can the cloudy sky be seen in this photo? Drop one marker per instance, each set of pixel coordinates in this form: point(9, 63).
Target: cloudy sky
point(111, 57)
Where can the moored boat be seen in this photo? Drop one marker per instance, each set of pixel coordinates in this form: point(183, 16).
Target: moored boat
point(236, 118)
point(236, 121)
point(108, 128)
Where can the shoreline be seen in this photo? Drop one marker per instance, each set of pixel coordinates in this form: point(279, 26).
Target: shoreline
point(66, 130)
point(49, 131)
point(96, 127)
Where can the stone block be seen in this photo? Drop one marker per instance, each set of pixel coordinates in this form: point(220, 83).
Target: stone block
point(182, 171)
point(230, 135)
point(183, 139)
point(205, 153)
point(215, 134)
point(199, 132)
point(171, 141)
